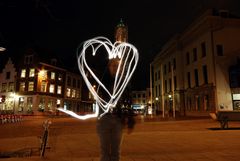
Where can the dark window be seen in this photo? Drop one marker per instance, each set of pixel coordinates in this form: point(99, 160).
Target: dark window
point(219, 50)
point(78, 83)
point(196, 77)
point(165, 69)
point(69, 81)
point(234, 76)
point(165, 86)
point(8, 75)
point(187, 58)
point(175, 82)
point(170, 84)
point(174, 63)
point(28, 59)
point(134, 95)
point(156, 90)
point(189, 79)
point(159, 75)
point(155, 76)
point(194, 54)
point(204, 50)
point(159, 89)
point(74, 83)
point(205, 74)
point(169, 66)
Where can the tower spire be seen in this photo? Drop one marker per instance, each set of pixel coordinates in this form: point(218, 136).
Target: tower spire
point(121, 32)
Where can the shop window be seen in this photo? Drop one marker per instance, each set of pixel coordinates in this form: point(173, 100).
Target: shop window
point(21, 104)
point(4, 87)
point(29, 104)
point(41, 106)
point(11, 87)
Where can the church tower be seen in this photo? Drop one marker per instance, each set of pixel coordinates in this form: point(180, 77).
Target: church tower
point(121, 32)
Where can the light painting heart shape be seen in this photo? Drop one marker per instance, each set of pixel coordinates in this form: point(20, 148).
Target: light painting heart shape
point(128, 57)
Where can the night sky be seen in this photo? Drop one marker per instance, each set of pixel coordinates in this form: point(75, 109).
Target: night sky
point(59, 26)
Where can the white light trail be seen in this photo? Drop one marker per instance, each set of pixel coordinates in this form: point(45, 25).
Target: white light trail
point(128, 56)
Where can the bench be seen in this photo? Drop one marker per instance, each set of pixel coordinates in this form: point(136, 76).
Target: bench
point(225, 116)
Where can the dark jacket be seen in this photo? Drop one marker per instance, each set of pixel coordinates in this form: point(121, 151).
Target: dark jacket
point(123, 108)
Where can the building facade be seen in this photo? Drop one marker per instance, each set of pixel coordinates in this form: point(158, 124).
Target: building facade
point(141, 101)
point(191, 72)
point(35, 86)
point(39, 85)
point(7, 88)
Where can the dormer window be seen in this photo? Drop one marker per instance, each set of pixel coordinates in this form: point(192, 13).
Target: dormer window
point(28, 59)
point(54, 62)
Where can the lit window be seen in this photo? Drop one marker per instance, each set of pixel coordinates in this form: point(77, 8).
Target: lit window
point(30, 86)
point(22, 87)
point(59, 90)
point(60, 77)
point(32, 72)
point(50, 104)
point(42, 74)
point(23, 73)
point(73, 93)
point(68, 92)
point(43, 86)
point(21, 104)
point(11, 86)
point(52, 75)
point(58, 102)
point(78, 94)
point(29, 104)
point(4, 87)
point(51, 88)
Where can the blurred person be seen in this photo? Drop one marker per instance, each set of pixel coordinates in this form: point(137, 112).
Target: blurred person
point(110, 126)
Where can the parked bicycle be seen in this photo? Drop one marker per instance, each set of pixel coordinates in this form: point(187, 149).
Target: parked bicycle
point(44, 138)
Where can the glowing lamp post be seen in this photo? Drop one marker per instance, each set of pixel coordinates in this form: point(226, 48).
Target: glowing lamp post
point(2, 49)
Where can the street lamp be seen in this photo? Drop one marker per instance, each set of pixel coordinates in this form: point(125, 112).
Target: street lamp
point(2, 49)
point(2, 41)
